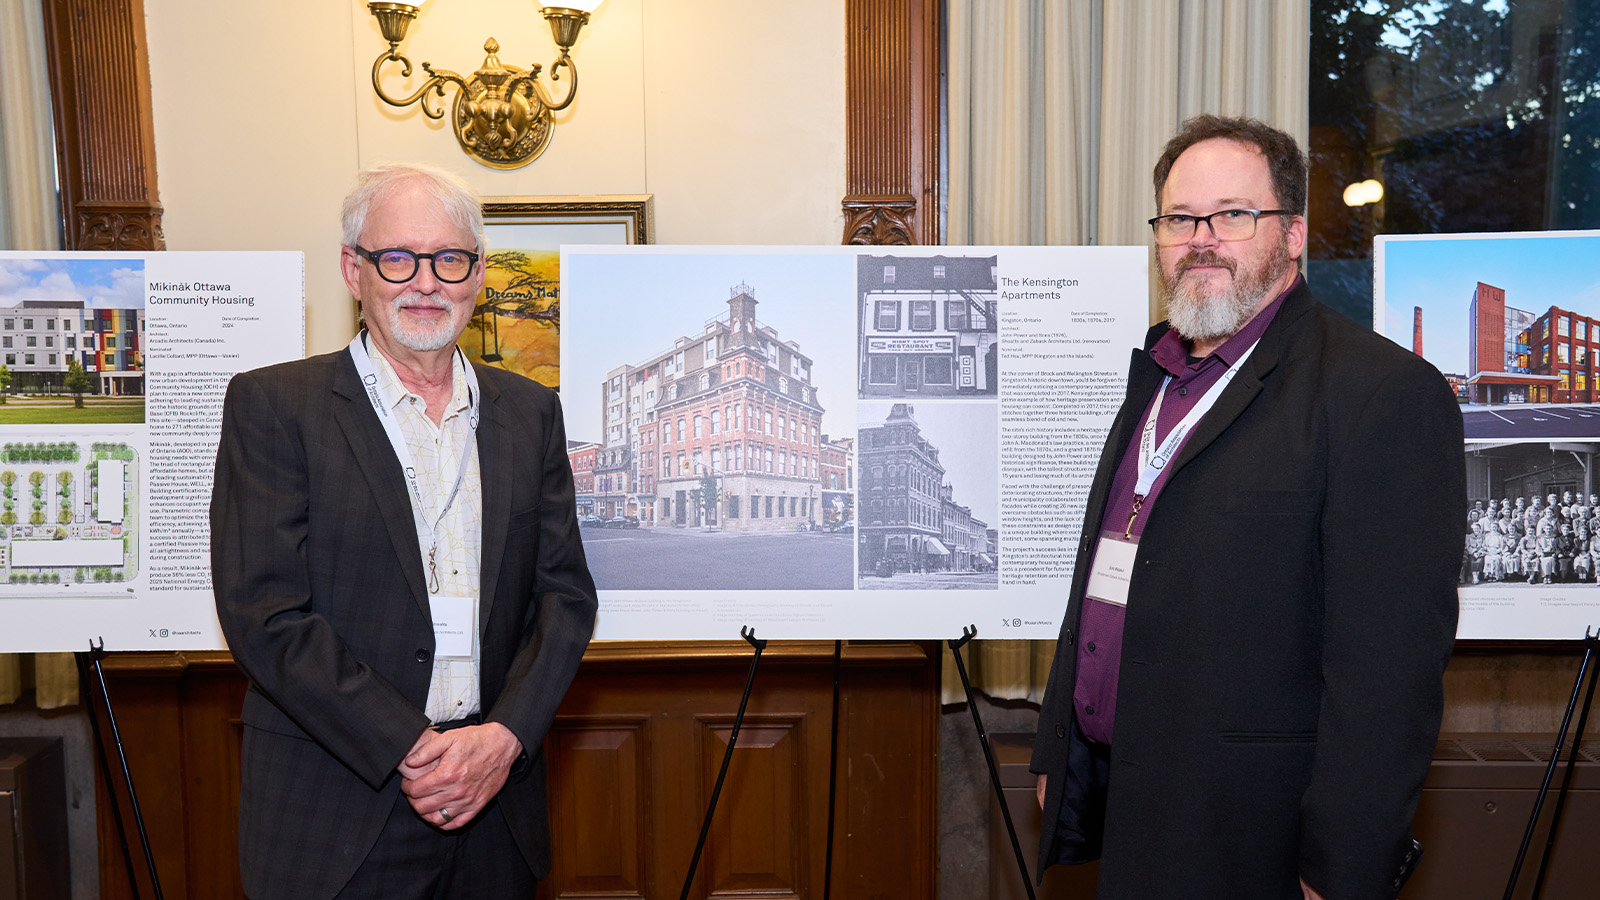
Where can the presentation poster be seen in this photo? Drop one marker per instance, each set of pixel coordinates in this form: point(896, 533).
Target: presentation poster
point(840, 442)
point(112, 373)
point(1513, 322)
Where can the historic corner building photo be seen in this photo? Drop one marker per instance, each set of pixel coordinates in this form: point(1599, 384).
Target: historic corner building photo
point(39, 338)
point(721, 430)
point(909, 520)
point(1515, 356)
point(927, 326)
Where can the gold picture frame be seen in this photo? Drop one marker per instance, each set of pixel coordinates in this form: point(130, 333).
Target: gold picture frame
point(517, 322)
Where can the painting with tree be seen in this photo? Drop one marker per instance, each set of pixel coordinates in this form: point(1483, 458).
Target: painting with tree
point(517, 322)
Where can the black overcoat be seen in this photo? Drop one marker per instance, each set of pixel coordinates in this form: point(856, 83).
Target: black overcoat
point(1290, 615)
point(321, 594)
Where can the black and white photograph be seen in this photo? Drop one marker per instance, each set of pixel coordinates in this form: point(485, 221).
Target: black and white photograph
point(927, 327)
point(928, 484)
point(1535, 515)
point(702, 394)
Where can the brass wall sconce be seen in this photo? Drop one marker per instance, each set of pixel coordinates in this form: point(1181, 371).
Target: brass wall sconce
point(502, 114)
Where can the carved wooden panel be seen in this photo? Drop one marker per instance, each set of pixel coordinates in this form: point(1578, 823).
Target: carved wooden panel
point(598, 794)
point(178, 715)
point(893, 121)
point(758, 844)
point(633, 756)
point(105, 136)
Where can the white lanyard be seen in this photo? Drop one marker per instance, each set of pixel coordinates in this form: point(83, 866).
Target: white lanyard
point(391, 427)
point(1153, 459)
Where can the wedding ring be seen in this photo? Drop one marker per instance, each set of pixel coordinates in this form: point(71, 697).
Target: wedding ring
point(445, 815)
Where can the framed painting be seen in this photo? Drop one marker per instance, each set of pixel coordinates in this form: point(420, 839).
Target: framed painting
point(517, 322)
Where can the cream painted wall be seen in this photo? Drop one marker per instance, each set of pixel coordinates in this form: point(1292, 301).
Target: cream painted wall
point(730, 112)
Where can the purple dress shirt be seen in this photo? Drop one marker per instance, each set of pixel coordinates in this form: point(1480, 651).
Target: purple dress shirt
point(1094, 696)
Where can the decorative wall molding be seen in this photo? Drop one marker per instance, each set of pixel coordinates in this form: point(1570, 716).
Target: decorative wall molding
point(887, 223)
point(105, 226)
point(105, 137)
point(892, 122)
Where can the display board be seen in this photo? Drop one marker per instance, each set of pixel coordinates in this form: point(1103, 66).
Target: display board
point(1513, 322)
point(114, 367)
point(840, 442)
point(820, 442)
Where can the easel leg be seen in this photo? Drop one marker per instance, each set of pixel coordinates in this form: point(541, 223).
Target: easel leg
point(705, 828)
point(833, 774)
point(101, 757)
point(983, 739)
point(96, 652)
point(1566, 776)
point(1590, 641)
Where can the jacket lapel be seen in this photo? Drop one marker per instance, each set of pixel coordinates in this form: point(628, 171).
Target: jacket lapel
point(379, 465)
point(495, 457)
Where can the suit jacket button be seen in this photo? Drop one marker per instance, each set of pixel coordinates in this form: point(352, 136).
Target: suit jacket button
point(1061, 731)
point(422, 655)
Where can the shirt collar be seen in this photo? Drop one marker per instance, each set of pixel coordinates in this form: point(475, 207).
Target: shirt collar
point(394, 392)
point(1172, 354)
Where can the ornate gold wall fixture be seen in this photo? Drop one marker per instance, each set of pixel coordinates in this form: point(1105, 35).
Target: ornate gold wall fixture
point(502, 114)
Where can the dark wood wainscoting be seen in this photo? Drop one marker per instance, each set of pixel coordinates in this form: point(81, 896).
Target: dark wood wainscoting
point(633, 757)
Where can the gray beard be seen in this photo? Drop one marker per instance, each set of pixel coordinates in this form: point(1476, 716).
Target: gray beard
point(419, 338)
point(1201, 316)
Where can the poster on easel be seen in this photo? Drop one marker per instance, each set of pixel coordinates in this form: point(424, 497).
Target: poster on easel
point(112, 374)
point(840, 442)
point(1513, 322)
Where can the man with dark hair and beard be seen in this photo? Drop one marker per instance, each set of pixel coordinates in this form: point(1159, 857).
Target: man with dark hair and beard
point(1247, 686)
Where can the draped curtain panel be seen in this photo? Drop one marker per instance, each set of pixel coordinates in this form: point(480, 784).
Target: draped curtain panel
point(29, 216)
point(1057, 112)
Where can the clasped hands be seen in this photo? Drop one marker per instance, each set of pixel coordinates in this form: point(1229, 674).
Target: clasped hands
point(450, 776)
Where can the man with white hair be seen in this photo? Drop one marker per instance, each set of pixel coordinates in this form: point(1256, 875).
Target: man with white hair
point(398, 570)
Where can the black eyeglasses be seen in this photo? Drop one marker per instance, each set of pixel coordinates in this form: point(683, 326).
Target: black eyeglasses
point(398, 265)
point(1225, 224)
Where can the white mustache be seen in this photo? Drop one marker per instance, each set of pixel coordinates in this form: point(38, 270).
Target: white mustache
point(415, 300)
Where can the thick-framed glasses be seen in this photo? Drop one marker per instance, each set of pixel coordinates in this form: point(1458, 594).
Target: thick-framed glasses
point(1225, 224)
point(398, 265)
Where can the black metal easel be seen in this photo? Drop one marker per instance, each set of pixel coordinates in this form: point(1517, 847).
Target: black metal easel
point(1591, 642)
point(85, 662)
point(983, 739)
point(749, 635)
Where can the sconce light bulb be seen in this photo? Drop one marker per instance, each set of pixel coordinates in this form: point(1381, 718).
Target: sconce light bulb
point(1363, 192)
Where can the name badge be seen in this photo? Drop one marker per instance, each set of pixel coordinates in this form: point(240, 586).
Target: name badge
point(1112, 570)
point(452, 625)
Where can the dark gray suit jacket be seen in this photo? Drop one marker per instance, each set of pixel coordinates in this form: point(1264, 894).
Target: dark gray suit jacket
point(320, 592)
point(1290, 615)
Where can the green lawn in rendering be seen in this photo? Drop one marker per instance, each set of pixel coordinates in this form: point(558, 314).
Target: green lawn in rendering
point(120, 414)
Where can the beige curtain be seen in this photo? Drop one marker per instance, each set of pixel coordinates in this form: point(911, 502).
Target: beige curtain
point(28, 211)
point(28, 221)
point(1057, 112)
point(52, 676)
